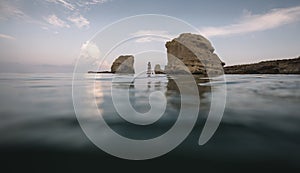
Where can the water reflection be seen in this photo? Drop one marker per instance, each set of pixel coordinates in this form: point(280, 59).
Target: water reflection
point(139, 91)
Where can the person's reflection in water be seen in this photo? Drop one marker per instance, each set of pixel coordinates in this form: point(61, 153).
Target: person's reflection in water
point(149, 85)
point(157, 85)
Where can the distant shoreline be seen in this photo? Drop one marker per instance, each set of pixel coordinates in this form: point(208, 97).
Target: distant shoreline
point(284, 66)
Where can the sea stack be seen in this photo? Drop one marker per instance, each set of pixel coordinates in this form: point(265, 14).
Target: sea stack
point(158, 70)
point(123, 64)
point(192, 53)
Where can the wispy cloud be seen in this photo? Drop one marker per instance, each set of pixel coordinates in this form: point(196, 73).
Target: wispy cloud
point(11, 10)
point(5, 36)
point(44, 28)
point(74, 7)
point(77, 4)
point(7, 11)
point(259, 22)
point(95, 2)
point(71, 12)
point(55, 21)
point(79, 21)
point(64, 3)
point(151, 35)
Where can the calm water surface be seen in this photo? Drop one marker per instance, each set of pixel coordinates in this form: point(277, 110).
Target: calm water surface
point(260, 126)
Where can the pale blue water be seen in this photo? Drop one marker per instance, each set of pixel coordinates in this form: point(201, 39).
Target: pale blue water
point(261, 123)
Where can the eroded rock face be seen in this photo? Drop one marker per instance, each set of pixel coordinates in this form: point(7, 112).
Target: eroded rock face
point(123, 64)
point(192, 53)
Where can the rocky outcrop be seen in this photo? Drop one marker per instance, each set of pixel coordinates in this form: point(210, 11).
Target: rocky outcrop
point(286, 66)
point(99, 72)
point(123, 64)
point(192, 53)
point(158, 70)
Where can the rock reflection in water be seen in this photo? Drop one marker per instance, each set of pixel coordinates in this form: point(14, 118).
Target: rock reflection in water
point(139, 91)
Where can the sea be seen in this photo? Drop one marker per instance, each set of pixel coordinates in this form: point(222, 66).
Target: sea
point(43, 117)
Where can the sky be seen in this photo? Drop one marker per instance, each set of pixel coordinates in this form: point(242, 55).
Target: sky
point(49, 35)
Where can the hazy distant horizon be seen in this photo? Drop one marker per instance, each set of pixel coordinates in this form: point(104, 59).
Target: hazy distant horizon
point(11, 67)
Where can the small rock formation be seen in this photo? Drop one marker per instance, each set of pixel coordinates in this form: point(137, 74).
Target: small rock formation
point(99, 72)
point(123, 64)
point(158, 70)
point(192, 53)
point(286, 66)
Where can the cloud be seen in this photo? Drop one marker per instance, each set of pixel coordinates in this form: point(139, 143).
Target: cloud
point(44, 28)
point(12, 10)
point(7, 11)
point(75, 5)
point(90, 50)
point(94, 2)
point(55, 21)
point(152, 35)
point(15, 9)
point(79, 21)
point(64, 3)
point(5, 36)
point(259, 22)
point(91, 54)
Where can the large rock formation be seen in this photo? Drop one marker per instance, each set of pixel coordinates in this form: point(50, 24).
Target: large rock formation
point(286, 66)
point(192, 53)
point(123, 64)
